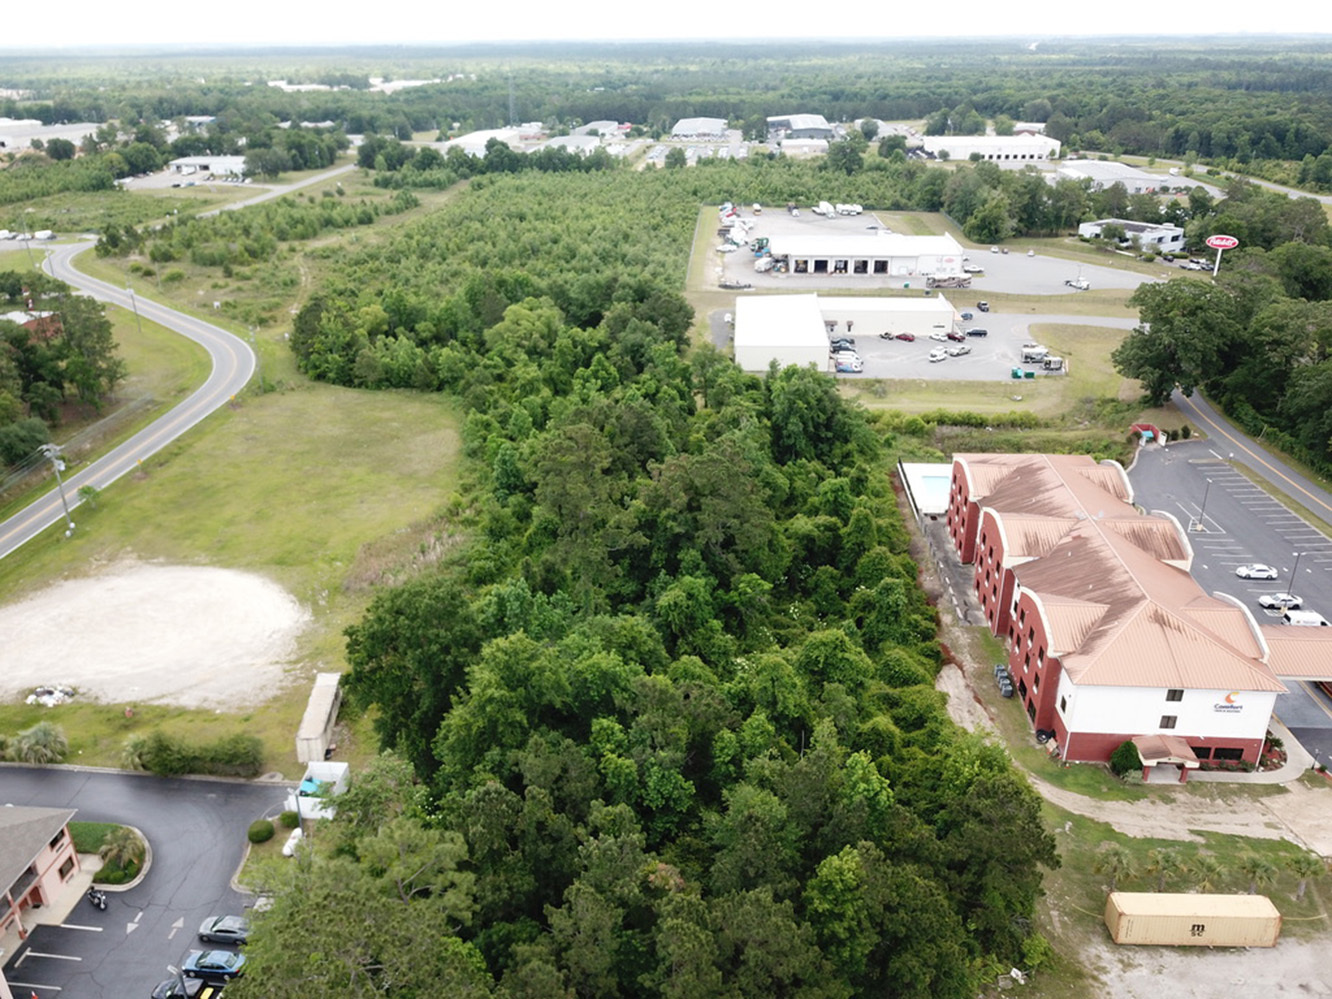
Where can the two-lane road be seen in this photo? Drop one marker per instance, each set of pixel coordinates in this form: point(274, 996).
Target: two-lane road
point(233, 364)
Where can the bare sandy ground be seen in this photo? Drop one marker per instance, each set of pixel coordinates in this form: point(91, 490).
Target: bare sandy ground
point(186, 635)
point(1295, 967)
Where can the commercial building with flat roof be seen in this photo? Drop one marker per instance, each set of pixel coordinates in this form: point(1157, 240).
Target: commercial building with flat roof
point(1160, 236)
point(883, 255)
point(801, 126)
point(1103, 174)
point(699, 128)
point(1016, 150)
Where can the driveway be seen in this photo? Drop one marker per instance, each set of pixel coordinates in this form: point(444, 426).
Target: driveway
point(197, 831)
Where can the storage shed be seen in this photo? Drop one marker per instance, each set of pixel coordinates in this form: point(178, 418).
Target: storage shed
point(1183, 920)
point(786, 328)
point(314, 737)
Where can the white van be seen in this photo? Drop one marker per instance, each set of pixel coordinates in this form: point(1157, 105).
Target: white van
point(1305, 619)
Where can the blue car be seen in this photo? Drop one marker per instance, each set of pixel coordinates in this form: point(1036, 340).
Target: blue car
point(213, 965)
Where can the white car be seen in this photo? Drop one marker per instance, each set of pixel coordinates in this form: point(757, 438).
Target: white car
point(1256, 570)
point(941, 337)
point(959, 350)
point(1280, 601)
point(938, 354)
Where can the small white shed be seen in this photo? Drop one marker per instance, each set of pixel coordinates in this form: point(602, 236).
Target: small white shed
point(313, 798)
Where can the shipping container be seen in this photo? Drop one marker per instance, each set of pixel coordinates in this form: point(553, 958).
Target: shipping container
point(1182, 920)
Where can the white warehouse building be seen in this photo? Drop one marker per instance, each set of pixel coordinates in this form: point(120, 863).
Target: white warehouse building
point(699, 128)
point(794, 329)
point(1103, 174)
point(1016, 150)
point(1159, 236)
point(883, 255)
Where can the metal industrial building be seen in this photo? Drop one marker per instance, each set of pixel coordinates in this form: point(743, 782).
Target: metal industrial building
point(699, 128)
point(1158, 236)
point(794, 329)
point(1012, 149)
point(1103, 174)
point(800, 126)
point(883, 255)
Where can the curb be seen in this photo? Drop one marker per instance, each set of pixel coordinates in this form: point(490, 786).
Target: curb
point(143, 871)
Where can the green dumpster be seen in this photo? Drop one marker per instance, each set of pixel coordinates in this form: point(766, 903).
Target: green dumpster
point(1028, 374)
point(1017, 373)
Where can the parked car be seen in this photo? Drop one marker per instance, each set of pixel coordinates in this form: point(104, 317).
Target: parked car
point(225, 929)
point(186, 988)
point(1256, 570)
point(938, 354)
point(955, 336)
point(973, 269)
point(848, 364)
point(1280, 601)
point(968, 315)
point(213, 965)
point(994, 249)
point(959, 350)
point(983, 306)
point(940, 337)
point(908, 337)
point(977, 331)
point(842, 342)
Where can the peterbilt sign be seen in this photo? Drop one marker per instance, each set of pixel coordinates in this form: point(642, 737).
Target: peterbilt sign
point(1220, 242)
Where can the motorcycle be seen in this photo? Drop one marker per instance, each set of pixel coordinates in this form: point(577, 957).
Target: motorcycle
point(98, 898)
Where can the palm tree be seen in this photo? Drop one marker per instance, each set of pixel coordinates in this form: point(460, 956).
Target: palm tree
point(1162, 862)
point(1115, 862)
point(43, 743)
point(122, 847)
point(1207, 872)
point(1305, 866)
point(1258, 869)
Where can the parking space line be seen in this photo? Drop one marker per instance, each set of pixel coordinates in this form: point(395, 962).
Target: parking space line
point(35, 985)
point(55, 957)
point(76, 926)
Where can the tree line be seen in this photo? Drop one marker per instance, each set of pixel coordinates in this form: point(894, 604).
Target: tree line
point(66, 359)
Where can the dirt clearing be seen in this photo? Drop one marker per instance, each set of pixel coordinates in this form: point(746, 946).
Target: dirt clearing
point(191, 636)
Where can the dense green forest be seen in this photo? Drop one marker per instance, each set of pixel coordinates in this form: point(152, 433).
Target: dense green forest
point(672, 710)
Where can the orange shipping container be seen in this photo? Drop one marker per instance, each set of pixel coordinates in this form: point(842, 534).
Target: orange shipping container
point(1181, 920)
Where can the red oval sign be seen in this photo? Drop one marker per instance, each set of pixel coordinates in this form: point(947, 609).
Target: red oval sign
point(1222, 242)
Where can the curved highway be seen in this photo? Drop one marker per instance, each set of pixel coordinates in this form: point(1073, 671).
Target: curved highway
point(233, 364)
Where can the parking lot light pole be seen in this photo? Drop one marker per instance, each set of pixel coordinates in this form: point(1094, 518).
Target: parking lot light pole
point(1198, 524)
point(1294, 571)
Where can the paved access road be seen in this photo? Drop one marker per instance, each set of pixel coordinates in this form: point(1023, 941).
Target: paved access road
point(233, 364)
point(197, 831)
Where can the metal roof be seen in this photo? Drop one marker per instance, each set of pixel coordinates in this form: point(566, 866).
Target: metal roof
point(886, 245)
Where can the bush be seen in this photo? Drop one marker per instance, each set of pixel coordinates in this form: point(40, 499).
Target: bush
point(289, 820)
point(261, 831)
point(1125, 759)
point(231, 756)
point(1186, 431)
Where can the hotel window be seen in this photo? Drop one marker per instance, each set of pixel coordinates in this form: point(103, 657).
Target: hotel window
point(1031, 634)
point(1036, 682)
point(1168, 721)
point(1040, 657)
point(66, 868)
point(1202, 752)
point(1022, 618)
point(1174, 695)
point(1063, 705)
point(57, 839)
point(1026, 663)
point(1228, 754)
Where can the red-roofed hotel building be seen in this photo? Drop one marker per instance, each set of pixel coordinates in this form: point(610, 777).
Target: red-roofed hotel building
point(1109, 638)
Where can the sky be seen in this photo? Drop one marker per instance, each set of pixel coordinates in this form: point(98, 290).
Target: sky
point(79, 23)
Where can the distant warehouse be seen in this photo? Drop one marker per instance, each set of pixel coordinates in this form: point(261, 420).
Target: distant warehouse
point(888, 255)
point(801, 126)
point(699, 128)
point(1014, 149)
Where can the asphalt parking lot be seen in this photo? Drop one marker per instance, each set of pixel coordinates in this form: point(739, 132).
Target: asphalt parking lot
point(1241, 523)
point(197, 830)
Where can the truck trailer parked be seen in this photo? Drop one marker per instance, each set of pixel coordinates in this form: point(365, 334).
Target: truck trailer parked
point(1176, 919)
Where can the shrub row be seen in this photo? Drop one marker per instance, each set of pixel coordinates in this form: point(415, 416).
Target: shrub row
point(230, 756)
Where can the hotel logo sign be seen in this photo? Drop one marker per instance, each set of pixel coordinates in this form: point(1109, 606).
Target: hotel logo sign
point(1229, 704)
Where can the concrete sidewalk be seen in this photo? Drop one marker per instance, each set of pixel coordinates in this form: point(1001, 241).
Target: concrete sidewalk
point(1298, 761)
point(55, 913)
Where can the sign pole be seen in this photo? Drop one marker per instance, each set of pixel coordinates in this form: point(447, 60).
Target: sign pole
point(1220, 243)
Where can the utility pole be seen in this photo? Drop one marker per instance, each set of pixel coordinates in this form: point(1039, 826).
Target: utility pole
point(134, 303)
point(52, 451)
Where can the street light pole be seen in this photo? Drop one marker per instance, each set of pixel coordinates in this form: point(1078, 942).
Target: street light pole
point(52, 451)
point(1295, 570)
